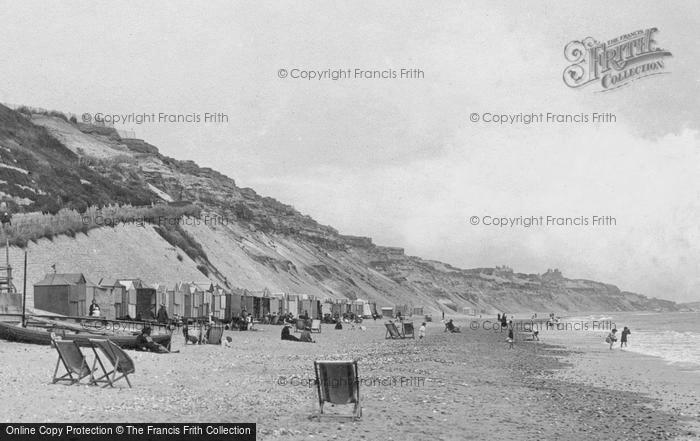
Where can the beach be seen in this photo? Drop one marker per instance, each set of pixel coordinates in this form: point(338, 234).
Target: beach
point(446, 387)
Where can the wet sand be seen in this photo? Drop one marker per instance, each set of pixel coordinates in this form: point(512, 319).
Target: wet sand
point(446, 387)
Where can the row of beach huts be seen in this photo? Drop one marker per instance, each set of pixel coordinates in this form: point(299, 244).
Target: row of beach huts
point(72, 293)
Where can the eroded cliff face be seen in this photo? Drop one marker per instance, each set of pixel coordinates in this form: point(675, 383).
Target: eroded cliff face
point(249, 241)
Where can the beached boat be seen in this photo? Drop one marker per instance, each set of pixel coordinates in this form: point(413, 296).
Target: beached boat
point(42, 336)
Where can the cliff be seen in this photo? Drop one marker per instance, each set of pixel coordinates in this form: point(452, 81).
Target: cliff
point(237, 238)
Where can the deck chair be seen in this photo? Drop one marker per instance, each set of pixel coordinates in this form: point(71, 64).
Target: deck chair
point(119, 363)
point(214, 335)
point(337, 382)
point(300, 325)
point(316, 326)
point(73, 360)
point(408, 330)
point(392, 332)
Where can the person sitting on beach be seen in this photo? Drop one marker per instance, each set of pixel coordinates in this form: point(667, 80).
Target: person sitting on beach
point(226, 342)
point(145, 342)
point(94, 309)
point(421, 331)
point(449, 326)
point(286, 335)
point(536, 335)
point(306, 336)
point(611, 338)
point(339, 325)
point(623, 336)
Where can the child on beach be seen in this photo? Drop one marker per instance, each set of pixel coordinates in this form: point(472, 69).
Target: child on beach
point(611, 338)
point(623, 337)
point(510, 338)
point(421, 331)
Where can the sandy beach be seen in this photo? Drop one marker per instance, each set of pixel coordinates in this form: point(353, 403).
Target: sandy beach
point(446, 387)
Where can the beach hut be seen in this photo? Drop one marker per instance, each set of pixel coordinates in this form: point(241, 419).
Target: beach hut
point(340, 307)
point(293, 304)
point(202, 293)
point(277, 303)
point(144, 297)
point(117, 292)
point(130, 300)
point(62, 293)
point(234, 303)
point(104, 298)
point(305, 307)
point(218, 303)
point(362, 308)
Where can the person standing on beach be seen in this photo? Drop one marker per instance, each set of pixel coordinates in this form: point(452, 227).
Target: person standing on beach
point(611, 338)
point(510, 338)
point(623, 337)
point(421, 331)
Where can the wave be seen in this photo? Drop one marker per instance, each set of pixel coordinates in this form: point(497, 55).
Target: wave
point(672, 346)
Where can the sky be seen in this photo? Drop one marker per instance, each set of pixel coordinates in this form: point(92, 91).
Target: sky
point(400, 159)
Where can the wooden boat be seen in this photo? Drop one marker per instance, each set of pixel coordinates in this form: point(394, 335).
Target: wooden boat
point(39, 336)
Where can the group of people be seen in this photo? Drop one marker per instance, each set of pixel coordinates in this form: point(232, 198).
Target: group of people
point(305, 335)
point(612, 337)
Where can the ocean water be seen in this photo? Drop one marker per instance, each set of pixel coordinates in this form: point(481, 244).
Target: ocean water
point(674, 337)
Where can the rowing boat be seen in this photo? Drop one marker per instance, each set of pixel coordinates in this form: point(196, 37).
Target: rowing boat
point(39, 336)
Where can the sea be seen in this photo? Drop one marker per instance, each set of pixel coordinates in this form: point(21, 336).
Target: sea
point(673, 336)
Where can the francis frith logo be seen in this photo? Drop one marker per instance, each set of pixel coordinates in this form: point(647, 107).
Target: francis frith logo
point(614, 63)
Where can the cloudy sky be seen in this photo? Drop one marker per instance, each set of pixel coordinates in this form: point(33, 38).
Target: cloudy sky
point(400, 159)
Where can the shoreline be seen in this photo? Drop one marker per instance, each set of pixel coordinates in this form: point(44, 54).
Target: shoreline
point(675, 388)
point(470, 386)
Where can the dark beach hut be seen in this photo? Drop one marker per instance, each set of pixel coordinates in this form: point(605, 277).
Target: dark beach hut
point(62, 293)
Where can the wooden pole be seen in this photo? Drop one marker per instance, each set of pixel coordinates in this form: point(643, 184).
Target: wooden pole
point(24, 292)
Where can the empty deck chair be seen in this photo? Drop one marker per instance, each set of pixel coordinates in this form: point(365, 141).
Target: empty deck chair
point(408, 330)
point(392, 332)
point(316, 326)
point(337, 383)
point(72, 359)
point(119, 365)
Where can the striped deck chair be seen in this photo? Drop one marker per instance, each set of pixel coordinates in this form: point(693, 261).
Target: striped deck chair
point(337, 383)
point(214, 335)
point(408, 330)
point(73, 360)
point(119, 363)
point(392, 332)
point(316, 326)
